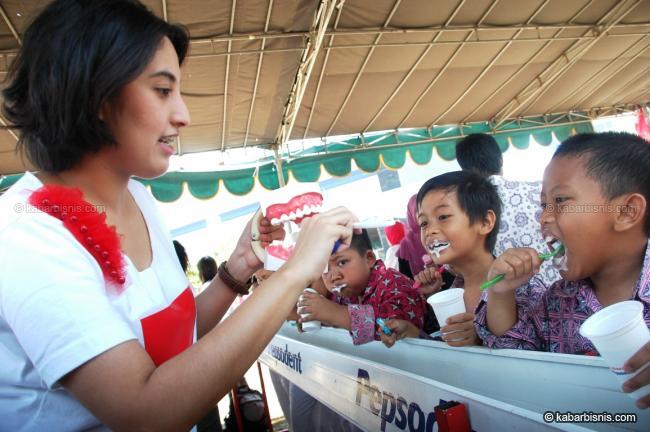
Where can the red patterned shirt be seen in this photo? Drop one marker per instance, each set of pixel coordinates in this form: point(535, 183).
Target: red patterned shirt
point(389, 294)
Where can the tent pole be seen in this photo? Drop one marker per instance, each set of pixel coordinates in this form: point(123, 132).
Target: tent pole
point(278, 166)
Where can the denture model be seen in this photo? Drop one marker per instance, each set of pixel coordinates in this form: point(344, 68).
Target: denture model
point(289, 205)
point(292, 203)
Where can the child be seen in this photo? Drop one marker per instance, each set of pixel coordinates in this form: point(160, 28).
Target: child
point(594, 196)
point(364, 289)
point(457, 212)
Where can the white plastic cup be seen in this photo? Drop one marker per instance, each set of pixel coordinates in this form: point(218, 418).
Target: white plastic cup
point(273, 263)
point(309, 326)
point(447, 303)
point(618, 332)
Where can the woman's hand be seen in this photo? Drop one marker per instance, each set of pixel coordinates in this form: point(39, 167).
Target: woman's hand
point(459, 330)
point(243, 262)
point(400, 329)
point(428, 281)
point(316, 240)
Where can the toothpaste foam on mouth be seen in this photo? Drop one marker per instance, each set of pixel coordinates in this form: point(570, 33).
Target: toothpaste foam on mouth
point(338, 288)
point(560, 260)
point(438, 247)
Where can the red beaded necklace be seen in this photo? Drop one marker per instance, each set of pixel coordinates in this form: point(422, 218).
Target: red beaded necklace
point(87, 225)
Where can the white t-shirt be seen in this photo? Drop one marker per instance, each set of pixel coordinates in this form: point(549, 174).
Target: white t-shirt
point(391, 260)
point(56, 312)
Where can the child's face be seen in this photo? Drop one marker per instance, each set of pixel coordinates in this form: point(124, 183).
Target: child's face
point(445, 230)
point(575, 213)
point(350, 268)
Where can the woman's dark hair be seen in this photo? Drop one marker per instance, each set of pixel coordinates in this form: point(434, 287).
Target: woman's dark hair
point(76, 55)
point(182, 255)
point(207, 268)
point(475, 194)
point(479, 153)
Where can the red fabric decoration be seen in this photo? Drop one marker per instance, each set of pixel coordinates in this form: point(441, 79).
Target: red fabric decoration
point(642, 125)
point(395, 233)
point(87, 225)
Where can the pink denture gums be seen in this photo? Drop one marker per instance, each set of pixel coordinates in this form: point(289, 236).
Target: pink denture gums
point(279, 251)
point(302, 206)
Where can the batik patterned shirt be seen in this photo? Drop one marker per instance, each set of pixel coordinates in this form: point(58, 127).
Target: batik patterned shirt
point(389, 294)
point(519, 226)
point(549, 320)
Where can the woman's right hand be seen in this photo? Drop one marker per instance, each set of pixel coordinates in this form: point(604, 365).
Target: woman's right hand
point(316, 241)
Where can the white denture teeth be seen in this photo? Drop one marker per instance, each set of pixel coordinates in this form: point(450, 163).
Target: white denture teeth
point(276, 221)
point(306, 210)
point(284, 218)
point(299, 213)
point(292, 216)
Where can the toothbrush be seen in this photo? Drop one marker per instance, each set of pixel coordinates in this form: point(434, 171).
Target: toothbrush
point(543, 257)
point(380, 322)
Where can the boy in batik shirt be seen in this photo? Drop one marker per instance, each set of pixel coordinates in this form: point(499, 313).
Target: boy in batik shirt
point(595, 198)
point(364, 289)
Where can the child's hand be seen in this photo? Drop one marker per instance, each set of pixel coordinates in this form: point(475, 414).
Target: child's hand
point(400, 330)
point(460, 331)
point(518, 265)
point(428, 281)
point(636, 362)
point(319, 309)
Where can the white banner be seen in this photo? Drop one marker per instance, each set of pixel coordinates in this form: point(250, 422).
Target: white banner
point(377, 396)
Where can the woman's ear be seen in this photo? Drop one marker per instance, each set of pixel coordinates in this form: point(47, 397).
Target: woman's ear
point(488, 222)
point(629, 211)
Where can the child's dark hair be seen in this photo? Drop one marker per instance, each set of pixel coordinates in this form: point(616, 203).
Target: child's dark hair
point(75, 56)
point(361, 242)
point(618, 161)
point(479, 153)
point(475, 194)
point(207, 267)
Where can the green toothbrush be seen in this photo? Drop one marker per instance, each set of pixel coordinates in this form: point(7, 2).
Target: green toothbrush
point(543, 257)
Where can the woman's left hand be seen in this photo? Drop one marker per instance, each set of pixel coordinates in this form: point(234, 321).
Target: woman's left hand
point(460, 331)
point(243, 262)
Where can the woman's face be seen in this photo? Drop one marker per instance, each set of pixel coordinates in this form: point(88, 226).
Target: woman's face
point(146, 117)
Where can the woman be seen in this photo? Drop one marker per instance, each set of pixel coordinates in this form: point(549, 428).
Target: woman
point(104, 333)
point(411, 251)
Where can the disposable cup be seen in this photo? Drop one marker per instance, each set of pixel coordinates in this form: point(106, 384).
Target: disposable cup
point(618, 332)
point(447, 303)
point(310, 326)
point(272, 262)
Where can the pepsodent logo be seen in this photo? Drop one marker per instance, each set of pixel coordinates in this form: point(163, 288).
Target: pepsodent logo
point(394, 408)
point(294, 361)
